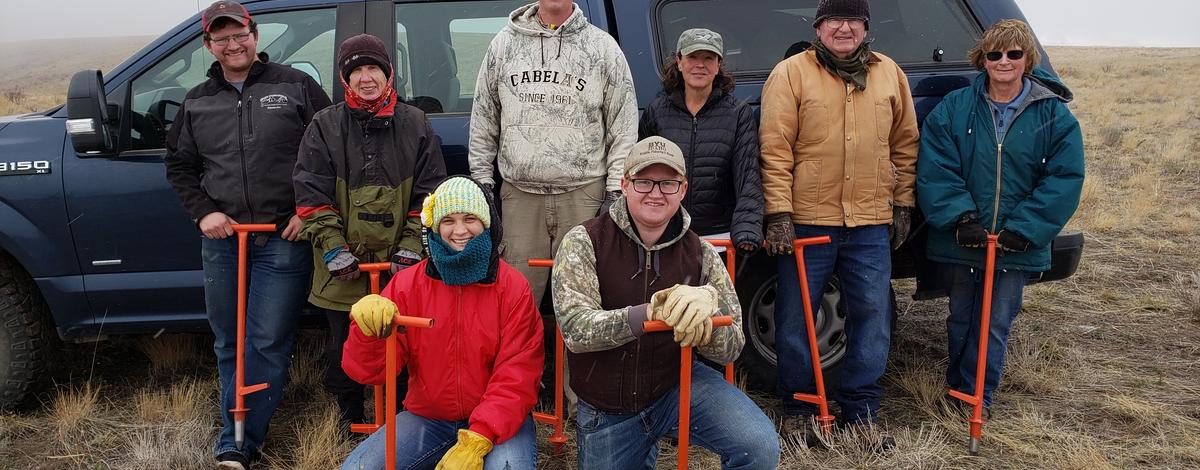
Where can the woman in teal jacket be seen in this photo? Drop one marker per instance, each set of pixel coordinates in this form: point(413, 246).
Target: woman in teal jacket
point(1002, 156)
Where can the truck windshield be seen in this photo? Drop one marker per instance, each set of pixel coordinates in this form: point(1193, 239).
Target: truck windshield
point(760, 33)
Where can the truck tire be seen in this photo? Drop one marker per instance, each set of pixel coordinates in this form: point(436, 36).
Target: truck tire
point(758, 360)
point(23, 334)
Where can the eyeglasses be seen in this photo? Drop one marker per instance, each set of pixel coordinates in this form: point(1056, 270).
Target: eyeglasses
point(837, 22)
point(1012, 55)
point(241, 38)
point(667, 187)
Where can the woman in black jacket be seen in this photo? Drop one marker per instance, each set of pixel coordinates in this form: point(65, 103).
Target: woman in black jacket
point(719, 138)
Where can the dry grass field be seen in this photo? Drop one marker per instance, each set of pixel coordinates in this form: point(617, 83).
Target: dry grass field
point(1103, 369)
point(34, 74)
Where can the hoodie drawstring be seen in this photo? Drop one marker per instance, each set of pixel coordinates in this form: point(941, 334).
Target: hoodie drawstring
point(641, 261)
point(542, 43)
point(656, 267)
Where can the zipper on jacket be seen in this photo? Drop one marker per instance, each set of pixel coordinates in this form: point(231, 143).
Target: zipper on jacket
point(242, 154)
point(637, 349)
point(687, 161)
point(999, 162)
point(999, 149)
point(249, 115)
point(458, 351)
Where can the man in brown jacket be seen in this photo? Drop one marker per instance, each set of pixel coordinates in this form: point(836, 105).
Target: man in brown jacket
point(839, 151)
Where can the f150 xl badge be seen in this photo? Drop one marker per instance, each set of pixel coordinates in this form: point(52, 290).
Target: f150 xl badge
point(38, 167)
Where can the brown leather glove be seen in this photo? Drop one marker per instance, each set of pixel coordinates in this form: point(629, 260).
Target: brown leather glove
point(780, 234)
point(901, 222)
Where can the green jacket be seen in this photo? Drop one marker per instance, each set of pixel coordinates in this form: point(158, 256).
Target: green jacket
point(360, 181)
point(1028, 184)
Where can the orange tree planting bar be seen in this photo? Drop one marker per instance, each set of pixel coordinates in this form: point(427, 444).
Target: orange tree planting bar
point(824, 418)
point(985, 317)
point(398, 322)
point(558, 438)
point(685, 382)
point(240, 388)
point(373, 270)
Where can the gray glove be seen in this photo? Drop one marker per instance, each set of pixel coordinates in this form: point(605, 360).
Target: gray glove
point(342, 264)
point(403, 259)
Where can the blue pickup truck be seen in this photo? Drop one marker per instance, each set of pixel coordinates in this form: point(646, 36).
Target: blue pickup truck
point(93, 242)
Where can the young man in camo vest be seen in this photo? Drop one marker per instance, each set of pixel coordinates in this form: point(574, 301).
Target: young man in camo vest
point(640, 261)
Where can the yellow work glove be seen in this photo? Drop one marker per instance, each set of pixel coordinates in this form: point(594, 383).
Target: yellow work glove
point(689, 309)
point(655, 310)
point(374, 314)
point(468, 453)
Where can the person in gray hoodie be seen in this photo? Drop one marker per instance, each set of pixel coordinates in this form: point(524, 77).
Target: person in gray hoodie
point(555, 109)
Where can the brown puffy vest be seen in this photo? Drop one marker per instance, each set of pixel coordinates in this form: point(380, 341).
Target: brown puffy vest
point(631, 377)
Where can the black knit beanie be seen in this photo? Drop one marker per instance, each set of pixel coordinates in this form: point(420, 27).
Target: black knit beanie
point(843, 9)
point(361, 50)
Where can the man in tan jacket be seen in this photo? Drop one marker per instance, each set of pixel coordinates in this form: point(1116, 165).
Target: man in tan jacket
point(839, 151)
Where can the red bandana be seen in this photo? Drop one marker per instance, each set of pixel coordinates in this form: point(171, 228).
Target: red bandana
point(383, 106)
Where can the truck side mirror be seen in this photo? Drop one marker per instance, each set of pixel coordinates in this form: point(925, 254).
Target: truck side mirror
point(88, 114)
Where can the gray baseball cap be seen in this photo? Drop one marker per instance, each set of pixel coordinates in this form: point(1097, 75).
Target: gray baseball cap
point(700, 39)
point(654, 150)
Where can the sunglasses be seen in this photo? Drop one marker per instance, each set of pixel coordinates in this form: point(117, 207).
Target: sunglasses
point(1012, 55)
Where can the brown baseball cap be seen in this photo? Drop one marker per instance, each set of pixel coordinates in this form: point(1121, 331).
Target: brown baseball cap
point(654, 150)
point(224, 9)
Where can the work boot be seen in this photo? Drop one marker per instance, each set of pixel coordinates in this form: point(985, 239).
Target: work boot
point(232, 460)
point(801, 428)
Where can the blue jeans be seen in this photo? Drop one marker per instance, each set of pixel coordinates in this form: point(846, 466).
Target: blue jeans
point(862, 259)
point(277, 283)
point(965, 286)
point(421, 443)
point(723, 420)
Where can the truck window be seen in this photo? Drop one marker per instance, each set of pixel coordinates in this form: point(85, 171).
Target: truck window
point(439, 47)
point(302, 39)
point(758, 33)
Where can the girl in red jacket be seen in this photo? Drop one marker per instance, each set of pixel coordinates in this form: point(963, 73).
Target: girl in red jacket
point(473, 377)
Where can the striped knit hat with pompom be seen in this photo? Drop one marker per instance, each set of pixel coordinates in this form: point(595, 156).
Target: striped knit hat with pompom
point(457, 194)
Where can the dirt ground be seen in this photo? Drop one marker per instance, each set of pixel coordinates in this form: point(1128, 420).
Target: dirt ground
point(1102, 369)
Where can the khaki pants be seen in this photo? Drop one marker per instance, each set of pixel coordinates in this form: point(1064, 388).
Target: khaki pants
point(534, 226)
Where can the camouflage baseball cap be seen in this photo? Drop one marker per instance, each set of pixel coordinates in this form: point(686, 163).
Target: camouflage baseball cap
point(654, 150)
point(700, 39)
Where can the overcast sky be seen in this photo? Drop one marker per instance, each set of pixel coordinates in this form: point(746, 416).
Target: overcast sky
point(1160, 23)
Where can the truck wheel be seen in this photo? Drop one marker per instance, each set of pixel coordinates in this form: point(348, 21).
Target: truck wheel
point(23, 334)
point(758, 320)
